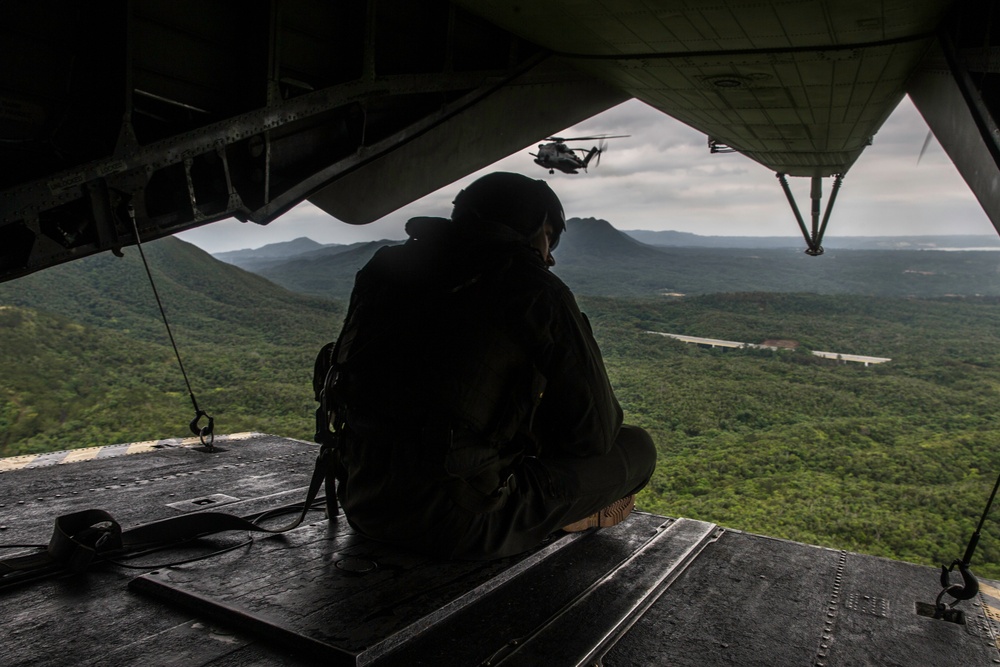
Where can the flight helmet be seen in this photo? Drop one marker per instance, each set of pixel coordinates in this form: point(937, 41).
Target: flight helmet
point(516, 201)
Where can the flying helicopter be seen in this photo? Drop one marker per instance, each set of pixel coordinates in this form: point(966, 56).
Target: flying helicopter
point(557, 155)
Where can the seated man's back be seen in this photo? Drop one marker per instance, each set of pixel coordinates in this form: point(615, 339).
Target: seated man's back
point(477, 413)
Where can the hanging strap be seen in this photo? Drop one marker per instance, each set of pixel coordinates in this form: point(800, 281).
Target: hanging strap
point(205, 433)
point(82, 538)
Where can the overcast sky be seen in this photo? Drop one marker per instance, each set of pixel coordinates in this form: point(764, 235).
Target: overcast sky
point(663, 177)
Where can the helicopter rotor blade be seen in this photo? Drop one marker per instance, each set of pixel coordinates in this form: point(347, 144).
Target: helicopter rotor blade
point(923, 149)
point(596, 136)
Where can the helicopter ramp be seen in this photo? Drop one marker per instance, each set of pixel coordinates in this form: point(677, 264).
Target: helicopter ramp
point(651, 591)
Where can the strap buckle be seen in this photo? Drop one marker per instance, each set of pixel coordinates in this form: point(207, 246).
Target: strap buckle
point(80, 536)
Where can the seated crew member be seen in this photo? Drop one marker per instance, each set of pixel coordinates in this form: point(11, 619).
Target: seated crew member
point(476, 416)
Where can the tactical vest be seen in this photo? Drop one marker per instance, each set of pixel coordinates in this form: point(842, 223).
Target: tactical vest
point(432, 354)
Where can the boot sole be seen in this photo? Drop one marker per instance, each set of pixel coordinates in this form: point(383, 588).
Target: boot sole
point(611, 515)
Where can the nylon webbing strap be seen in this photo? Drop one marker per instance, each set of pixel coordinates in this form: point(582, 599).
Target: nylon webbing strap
point(80, 538)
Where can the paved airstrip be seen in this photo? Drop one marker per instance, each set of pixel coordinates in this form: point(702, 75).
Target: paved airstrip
point(715, 342)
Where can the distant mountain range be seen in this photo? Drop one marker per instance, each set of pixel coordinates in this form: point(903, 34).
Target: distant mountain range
point(688, 240)
point(254, 259)
point(257, 259)
point(596, 259)
point(271, 251)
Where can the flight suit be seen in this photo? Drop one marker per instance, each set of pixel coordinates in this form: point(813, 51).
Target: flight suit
point(477, 413)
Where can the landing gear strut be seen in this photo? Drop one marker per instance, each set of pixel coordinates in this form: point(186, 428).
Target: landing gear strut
point(814, 239)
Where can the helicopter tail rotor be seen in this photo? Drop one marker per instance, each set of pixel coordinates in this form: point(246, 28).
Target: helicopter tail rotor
point(601, 147)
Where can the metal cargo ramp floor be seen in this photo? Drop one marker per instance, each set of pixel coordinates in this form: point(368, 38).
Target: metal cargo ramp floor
point(650, 591)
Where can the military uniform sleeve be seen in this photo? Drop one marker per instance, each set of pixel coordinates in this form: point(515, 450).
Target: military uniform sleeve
point(579, 414)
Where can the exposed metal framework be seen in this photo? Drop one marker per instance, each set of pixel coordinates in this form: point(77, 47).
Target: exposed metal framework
point(194, 112)
point(227, 111)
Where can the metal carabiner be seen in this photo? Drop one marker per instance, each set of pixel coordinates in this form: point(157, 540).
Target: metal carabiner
point(204, 432)
point(967, 590)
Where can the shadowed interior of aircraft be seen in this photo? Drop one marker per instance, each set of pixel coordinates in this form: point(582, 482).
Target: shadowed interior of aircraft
point(129, 121)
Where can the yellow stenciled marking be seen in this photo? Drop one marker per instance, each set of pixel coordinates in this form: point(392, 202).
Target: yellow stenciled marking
point(83, 454)
point(990, 594)
point(16, 462)
point(140, 447)
point(992, 591)
point(90, 453)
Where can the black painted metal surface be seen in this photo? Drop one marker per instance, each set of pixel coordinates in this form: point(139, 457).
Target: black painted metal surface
point(758, 601)
point(650, 591)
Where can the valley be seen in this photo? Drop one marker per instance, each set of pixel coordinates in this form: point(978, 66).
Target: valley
point(894, 460)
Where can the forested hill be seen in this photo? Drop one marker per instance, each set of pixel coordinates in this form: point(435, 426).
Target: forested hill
point(595, 259)
point(280, 250)
point(328, 273)
point(648, 271)
point(204, 298)
point(587, 239)
point(85, 359)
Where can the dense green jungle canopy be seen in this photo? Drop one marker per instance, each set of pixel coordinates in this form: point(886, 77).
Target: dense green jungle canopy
point(894, 460)
point(85, 359)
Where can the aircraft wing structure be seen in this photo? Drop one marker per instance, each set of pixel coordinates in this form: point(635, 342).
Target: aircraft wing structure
point(135, 120)
point(801, 87)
